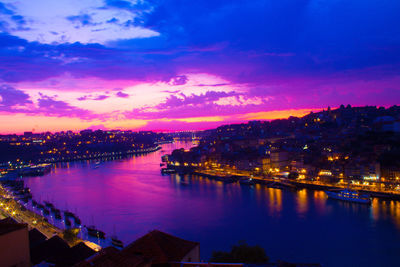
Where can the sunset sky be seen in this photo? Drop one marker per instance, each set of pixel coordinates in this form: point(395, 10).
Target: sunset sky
point(179, 65)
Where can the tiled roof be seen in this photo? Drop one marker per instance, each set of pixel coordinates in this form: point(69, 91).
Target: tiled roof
point(36, 238)
point(9, 225)
point(53, 250)
point(161, 247)
point(111, 256)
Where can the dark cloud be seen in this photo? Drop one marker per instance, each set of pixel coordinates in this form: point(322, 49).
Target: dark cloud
point(138, 6)
point(200, 105)
point(101, 97)
point(178, 80)
point(210, 96)
point(50, 106)
point(5, 10)
point(171, 92)
point(12, 99)
point(294, 51)
point(212, 85)
point(122, 94)
point(93, 97)
point(82, 20)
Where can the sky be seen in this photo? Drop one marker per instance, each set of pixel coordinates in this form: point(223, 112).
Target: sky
point(190, 65)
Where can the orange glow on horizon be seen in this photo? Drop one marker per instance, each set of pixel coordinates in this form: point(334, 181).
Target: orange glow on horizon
point(19, 123)
point(278, 114)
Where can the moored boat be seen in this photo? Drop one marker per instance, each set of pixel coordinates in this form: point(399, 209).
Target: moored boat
point(167, 171)
point(57, 215)
point(77, 221)
point(68, 214)
point(97, 164)
point(116, 242)
point(349, 195)
point(67, 222)
point(46, 211)
point(48, 204)
point(246, 181)
point(92, 231)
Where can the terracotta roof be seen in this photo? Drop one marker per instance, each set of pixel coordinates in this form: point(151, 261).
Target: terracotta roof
point(54, 250)
point(36, 238)
point(8, 220)
point(78, 253)
point(9, 225)
point(111, 256)
point(160, 247)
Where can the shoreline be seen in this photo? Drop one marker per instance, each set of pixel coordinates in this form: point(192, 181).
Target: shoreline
point(89, 157)
point(293, 184)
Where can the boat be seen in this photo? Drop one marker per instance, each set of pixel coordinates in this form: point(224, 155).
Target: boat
point(167, 171)
point(48, 204)
point(116, 242)
point(92, 231)
point(57, 215)
point(97, 164)
point(225, 179)
point(77, 221)
point(68, 214)
point(246, 181)
point(35, 170)
point(349, 195)
point(67, 222)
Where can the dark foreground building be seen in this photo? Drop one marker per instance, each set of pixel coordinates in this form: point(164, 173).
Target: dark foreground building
point(153, 249)
point(14, 243)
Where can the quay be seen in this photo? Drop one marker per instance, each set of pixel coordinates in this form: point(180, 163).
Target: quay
point(278, 182)
point(9, 207)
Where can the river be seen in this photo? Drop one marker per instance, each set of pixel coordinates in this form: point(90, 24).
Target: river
point(130, 197)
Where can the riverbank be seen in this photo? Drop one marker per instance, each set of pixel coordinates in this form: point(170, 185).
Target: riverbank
point(44, 165)
point(299, 184)
point(131, 197)
point(10, 207)
point(102, 155)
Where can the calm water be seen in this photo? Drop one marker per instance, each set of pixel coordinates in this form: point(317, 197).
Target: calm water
point(132, 197)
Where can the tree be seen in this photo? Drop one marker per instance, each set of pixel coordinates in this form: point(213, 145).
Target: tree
point(241, 253)
point(71, 235)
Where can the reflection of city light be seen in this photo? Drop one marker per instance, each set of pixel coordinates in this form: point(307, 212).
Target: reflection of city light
point(371, 178)
point(325, 172)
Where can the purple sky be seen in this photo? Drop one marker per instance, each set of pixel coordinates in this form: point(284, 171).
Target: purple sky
point(171, 65)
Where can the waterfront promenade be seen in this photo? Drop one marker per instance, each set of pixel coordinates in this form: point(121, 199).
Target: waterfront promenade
point(130, 197)
point(302, 183)
point(9, 207)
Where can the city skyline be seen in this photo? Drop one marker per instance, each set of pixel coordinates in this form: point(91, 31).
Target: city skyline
point(144, 65)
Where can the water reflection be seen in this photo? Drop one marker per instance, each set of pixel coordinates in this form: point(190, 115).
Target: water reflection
point(386, 210)
point(275, 201)
point(302, 202)
point(298, 225)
